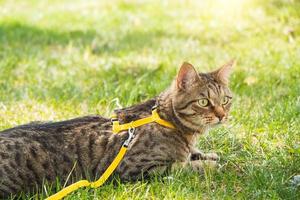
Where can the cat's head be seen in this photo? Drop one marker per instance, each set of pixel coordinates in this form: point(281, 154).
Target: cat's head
point(201, 99)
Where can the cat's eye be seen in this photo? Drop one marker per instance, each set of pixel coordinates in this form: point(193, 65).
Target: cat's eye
point(225, 100)
point(203, 102)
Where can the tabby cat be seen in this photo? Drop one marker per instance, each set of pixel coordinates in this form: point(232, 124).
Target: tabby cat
point(37, 152)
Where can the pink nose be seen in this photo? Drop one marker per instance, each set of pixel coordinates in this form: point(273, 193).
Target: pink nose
point(221, 116)
point(219, 112)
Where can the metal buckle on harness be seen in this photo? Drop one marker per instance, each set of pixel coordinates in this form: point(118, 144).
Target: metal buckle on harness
point(154, 107)
point(130, 137)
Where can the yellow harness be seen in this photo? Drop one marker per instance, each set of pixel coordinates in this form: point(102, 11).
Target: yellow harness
point(116, 128)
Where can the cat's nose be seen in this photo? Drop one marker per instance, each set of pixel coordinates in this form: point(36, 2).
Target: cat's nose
point(219, 112)
point(221, 117)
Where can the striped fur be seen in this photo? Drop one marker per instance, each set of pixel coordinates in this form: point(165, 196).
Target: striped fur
point(37, 152)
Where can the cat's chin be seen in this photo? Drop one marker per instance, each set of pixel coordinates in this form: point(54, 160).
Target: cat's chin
point(216, 124)
point(205, 128)
point(202, 130)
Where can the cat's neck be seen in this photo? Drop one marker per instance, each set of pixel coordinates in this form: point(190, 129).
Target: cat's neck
point(166, 111)
point(164, 108)
point(144, 109)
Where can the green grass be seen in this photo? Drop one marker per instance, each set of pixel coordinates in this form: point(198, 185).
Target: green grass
point(63, 59)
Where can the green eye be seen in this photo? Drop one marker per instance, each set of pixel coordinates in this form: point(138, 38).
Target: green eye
point(203, 102)
point(225, 100)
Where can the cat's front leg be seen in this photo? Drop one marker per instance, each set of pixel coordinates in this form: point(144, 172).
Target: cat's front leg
point(196, 165)
point(196, 154)
point(200, 165)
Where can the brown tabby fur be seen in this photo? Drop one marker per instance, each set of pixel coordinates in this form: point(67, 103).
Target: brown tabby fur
point(37, 152)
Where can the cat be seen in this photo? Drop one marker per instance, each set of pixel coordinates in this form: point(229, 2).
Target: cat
point(37, 152)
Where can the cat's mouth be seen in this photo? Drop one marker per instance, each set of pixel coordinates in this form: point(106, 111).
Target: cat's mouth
point(217, 123)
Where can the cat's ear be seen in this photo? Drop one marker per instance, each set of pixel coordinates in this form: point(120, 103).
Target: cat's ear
point(187, 76)
point(223, 73)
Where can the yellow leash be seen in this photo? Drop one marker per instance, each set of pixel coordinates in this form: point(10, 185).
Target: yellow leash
point(116, 129)
point(84, 183)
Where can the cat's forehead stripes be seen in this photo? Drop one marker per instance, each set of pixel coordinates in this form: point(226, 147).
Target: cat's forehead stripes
point(212, 90)
point(211, 84)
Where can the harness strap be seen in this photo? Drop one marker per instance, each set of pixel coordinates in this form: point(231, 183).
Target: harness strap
point(117, 127)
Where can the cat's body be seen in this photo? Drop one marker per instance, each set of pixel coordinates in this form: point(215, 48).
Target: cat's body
point(84, 147)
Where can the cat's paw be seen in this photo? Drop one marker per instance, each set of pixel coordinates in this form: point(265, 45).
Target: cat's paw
point(201, 165)
point(204, 156)
point(212, 156)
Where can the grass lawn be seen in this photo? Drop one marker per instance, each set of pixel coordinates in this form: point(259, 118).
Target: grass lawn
point(63, 59)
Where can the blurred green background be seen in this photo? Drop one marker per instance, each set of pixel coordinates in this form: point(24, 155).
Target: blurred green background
point(63, 59)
